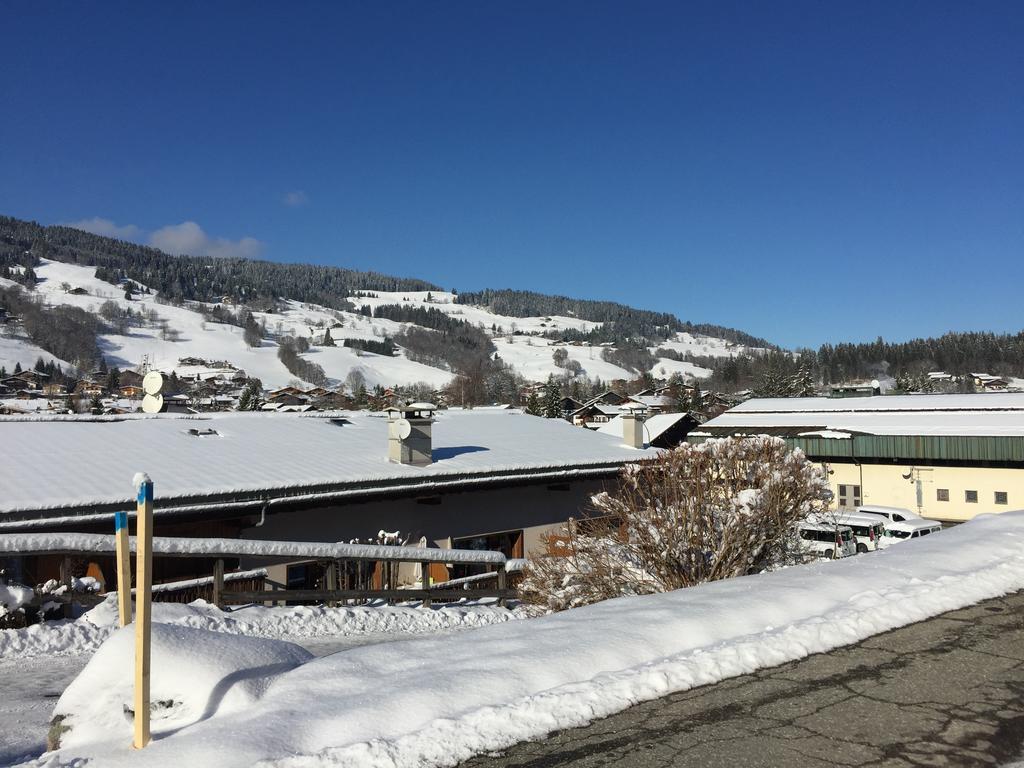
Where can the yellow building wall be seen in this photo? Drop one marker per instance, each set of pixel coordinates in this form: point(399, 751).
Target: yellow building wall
point(885, 484)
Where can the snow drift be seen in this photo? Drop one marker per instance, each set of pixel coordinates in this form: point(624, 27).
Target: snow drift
point(196, 674)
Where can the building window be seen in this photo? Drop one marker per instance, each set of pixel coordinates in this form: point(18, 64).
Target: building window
point(942, 494)
point(1001, 497)
point(849, 496)
point(971, 497)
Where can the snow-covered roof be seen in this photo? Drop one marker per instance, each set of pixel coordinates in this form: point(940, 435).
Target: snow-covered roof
point(651, 401)
point(68, 463)
point(1001, 401)
point(960, 415)
point(654, 426)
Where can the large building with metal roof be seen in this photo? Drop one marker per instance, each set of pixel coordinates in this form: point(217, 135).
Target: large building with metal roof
point(948, 457)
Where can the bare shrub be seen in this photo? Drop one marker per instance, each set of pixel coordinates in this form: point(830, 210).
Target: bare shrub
point(698, 513)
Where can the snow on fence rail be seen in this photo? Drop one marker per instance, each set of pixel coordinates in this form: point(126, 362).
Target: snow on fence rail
point(99, 543)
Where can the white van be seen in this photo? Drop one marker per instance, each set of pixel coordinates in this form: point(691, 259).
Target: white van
point(909, 529)
point(825, 540)
point(867, 530)
point(892, 514)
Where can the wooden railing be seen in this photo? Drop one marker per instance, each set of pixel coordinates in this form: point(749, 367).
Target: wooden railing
point(334, 557)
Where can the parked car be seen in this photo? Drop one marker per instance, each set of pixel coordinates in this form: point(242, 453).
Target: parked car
point(892, 514)
point(867, 530)
point(827, 540)
point(909, 529)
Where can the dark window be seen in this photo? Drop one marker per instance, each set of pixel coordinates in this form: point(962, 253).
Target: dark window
point(971, 497)
point(849, 496)
point(942, 494)
point(1001, 497)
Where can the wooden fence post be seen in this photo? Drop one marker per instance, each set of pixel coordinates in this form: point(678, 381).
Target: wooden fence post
point(502, 584)
point(124, 569)
point(218, 583)
point(425, 579)
point(143, 605)
point(331, 581)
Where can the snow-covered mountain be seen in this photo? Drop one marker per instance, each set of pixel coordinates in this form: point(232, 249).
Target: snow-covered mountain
point(169, 333)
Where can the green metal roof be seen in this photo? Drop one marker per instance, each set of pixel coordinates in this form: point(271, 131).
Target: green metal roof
point(913, 447)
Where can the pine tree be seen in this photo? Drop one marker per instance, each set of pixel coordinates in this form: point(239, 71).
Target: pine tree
point(250, 397)
point(696, 400)
point(17, 368)
point(552, 405)
point(328, 341)
point(802, 383)
point(533, 405)
point(113, 379)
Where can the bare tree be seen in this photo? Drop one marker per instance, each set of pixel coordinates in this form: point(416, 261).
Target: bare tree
point(698, 513)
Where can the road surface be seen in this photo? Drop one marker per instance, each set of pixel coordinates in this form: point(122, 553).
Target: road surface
point(944, 692)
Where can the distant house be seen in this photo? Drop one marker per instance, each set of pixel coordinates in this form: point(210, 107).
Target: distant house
point(130, 379)
point(131, 391)
point(568, 406)
point(653, 403)
point(987, 381)
point(77, 291)
point(287, 398)
point(33, 378)
point(663, 430)
point(89, 388)
point(594, 414)
point(855, 390)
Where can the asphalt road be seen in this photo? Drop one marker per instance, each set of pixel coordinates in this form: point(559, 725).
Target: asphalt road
point(945, 692)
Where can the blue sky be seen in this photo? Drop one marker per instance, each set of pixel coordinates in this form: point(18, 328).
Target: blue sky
point(808, 172)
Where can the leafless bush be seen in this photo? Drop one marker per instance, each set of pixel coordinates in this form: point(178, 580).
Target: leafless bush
point(698, 513)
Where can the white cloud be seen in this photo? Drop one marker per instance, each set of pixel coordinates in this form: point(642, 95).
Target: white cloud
point(295, 199)
point(189, 238)
point(105, 227)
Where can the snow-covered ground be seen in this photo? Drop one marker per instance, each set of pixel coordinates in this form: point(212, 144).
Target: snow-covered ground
point(436, 701)
point(190, 335)
point(16, 349)
point(531, 356)
point(38, 663)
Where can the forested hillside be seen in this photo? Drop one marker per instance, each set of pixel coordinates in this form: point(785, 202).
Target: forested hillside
point(956, 353)
point(258, 283)
point(620, 322)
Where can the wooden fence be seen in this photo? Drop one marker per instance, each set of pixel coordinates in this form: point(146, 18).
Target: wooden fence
point(344, 568)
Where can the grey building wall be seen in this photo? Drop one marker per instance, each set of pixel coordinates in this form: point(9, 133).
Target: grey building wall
point(470, 513)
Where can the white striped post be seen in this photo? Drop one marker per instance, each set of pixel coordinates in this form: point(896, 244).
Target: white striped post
point(143, 605)
point(124, 569)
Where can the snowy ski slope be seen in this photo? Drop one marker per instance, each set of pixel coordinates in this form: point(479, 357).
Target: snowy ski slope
point(191, 335)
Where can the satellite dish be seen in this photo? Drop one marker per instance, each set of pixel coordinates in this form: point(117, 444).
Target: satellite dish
point(152, 383)
point(152, 403)
point(404, 428)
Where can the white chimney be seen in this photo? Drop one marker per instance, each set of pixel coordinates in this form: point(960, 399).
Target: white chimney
point(633, 418)
point(409, 440)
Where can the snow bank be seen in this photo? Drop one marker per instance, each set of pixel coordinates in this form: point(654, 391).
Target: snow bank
point(16, 543)
point(437, 701)
point(196, 674)
point(12, 597)
point(86, 634)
